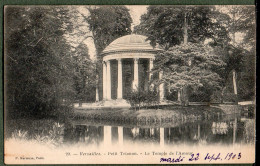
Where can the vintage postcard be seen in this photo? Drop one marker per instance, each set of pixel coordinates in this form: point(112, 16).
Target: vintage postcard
point(129, 84)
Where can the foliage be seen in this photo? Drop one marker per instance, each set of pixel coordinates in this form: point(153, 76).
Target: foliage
point(54, 135)
point(186, 64)
point(191, 65)
point(40, 66)
point(107, 23)
point(85, 75)
point(224, 96)
point(229, 97)
point(243, 63)
point(216, 97)
point(20, 134)
point(239, 54)
point(51, 133)
point(233, 57)
point(242, 20)
point(141, 98)
point(200, 95)
point(164, 25)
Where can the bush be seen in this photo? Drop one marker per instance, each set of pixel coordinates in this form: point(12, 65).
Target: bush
point(20, 134)
point(229, 97)
point(141, 98)
point(42, 131)
point(199, 96)
point(216, 97)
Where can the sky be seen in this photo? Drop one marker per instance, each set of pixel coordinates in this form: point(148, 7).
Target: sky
point(135, 11)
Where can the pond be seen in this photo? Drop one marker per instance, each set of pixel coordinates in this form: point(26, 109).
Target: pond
point(99, 141)
point(229, 131)
point(226, 130)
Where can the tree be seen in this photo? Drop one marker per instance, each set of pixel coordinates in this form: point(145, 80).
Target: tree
point(240, 52)
point(108, 23)
point(181, 31)
point(242, 20)
point(169, 25)
point(85, 75)
point(39, 66)
point(189, 65)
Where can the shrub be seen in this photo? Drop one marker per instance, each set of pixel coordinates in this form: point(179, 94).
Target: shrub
point(54, 135)
point(20, 134)
point(43, 131)
point(216, 97)
point(141, 98)
point(229, 97)
point(199, 96)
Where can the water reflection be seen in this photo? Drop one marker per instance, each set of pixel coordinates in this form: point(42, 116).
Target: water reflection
point(222, 131)
point(93, 135)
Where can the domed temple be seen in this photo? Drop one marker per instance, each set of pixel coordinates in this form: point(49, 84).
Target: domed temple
point(127, 63)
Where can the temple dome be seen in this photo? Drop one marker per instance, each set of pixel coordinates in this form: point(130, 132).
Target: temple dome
point(131, 42)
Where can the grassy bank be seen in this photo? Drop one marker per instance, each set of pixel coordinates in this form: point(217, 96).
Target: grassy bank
point(166, 113)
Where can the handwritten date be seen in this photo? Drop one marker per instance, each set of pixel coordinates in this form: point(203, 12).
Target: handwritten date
point(208, 157)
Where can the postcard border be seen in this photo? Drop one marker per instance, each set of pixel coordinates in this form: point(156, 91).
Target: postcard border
point(91, 2)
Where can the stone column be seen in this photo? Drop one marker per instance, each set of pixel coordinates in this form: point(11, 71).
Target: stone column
point(161, 87)
point(119, 80)
point(150, 68)
point(104, 80)
point(108, 95)
point(136, 79)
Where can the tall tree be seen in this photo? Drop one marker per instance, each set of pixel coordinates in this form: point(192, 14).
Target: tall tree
point(39, 68)
point(239, 53)
point(242, 22)
point(85, 75)
point(108, 23)
point(169, 25)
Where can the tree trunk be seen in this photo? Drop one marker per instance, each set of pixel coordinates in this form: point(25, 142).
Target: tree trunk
point(234, 42)
point(97, 96)
point(179, 96)
point(185, 29)
point(184, 96)
point(234, 82)
point(97, 89)
point(235, 85)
